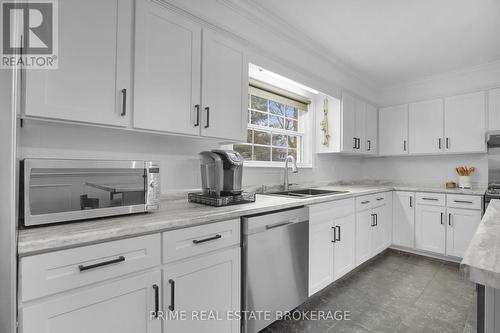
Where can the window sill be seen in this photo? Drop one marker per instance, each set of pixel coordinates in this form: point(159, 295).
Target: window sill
point(274, 165)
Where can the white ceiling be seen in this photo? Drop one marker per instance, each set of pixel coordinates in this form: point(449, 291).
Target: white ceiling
point(394, 41)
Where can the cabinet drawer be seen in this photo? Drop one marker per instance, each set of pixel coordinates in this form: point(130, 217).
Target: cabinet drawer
point(54, 272)
point(332, 210)
point(433, 199)
point(187, 242)
point(464, 201)
point(371, 201)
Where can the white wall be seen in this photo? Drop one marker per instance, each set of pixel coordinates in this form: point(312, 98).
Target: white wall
point(178, 155)
point(425, 170)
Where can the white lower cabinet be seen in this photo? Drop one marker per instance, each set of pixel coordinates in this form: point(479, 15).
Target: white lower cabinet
point(364, 224)
point(121, 306)
point(331, 242)
point(343, 254)
point(209, 284)
point(462, 224)
point(430, 228)
point(403, 214)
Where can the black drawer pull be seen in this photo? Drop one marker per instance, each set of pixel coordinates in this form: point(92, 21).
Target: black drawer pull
point(462, 201)
point(198, 241)
point(430, 199)
point(378, 199)
point(104, 263)
point(373, 220)
point(338, 239)
point(449, 219)
point(157, 299)
point(365, 202)
point(442, 218)
point(207, 109)
point(171, 307)
point(334, 240)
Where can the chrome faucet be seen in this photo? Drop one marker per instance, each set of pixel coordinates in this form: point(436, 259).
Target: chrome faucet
point(289, 158)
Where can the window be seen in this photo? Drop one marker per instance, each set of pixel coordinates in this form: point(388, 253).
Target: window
point(275, 125)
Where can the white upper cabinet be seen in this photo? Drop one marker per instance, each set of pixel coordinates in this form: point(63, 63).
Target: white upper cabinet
point(360, 122)
point(465, 123)
point(494, 110)
point(95, 39)
point(426, 127)
point(224, 88)
point(359, 126)
point(348, 120)
point(371, 129)
point(167, 70)
point(393, 130)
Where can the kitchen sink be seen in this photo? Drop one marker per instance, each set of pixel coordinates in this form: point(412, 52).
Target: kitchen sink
point(305, 193)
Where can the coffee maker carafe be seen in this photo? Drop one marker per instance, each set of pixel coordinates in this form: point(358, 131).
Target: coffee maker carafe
point(221, 172)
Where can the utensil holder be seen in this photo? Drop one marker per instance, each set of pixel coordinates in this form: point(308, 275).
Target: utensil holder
point(464, 182)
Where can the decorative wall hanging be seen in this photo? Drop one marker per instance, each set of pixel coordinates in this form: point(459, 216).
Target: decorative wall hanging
point(324, 123)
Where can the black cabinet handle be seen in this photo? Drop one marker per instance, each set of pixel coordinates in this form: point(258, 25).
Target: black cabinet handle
point(404, 145)
point(430, 199)
point(157, 299)
point(207, 109)
point(197, 107)
point(369, 145)
point(376, 219)
point(463, 201)
point(198, 241)
point(442, 214)
point(338, 239)
point(449, 219)
point(373, 220)
point(365, 202)
point(354, 143)
point(447, 143)
point(171, 307)
point(334, 240)
point(439, 143)
point(411, 202)
point(124, 102)
point(100, 264)
point(378, 199)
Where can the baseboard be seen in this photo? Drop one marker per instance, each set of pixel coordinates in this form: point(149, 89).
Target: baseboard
point(425, 254)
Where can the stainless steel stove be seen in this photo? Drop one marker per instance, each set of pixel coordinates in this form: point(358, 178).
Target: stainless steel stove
point(493, 191)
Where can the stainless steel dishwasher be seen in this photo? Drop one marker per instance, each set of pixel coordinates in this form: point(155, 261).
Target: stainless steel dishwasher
point(275, 264)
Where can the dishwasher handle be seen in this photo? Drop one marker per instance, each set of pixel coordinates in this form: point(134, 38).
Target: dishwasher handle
point(277, 225)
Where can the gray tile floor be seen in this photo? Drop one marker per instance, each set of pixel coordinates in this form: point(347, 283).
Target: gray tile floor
point(394, 292)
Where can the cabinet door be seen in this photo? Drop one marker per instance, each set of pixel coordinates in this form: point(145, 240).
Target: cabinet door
point(360, 124)
point(348, 123)
point(167, 70)
point(430, 228)
point(379, 231)
point(494, 110)
point(393, 130)
point(321, 252)
point(465, 123)
point(386, 213)
point(344, 248)
point(364, 226)
point(207, 283)
point(426, 127)
point(371, 129)
point(224, 88)
point(462, 225)
point(403, 219)
point(94, 66)
point(121, 306)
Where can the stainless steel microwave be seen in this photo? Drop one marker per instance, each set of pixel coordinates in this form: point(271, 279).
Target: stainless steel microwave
point(57, 190)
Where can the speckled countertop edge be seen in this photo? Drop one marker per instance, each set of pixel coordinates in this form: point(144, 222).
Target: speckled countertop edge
point(481, 261)
point(176, 214)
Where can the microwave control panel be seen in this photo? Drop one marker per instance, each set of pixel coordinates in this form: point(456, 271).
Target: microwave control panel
point(153, 188)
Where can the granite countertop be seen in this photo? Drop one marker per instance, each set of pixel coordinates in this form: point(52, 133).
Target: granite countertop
point(179, 213)
point(481, 261)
